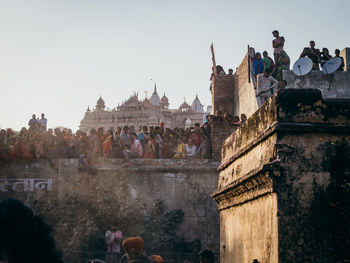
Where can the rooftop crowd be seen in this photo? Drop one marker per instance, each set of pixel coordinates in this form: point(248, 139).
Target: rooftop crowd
point(38, 142)
point(266, 72)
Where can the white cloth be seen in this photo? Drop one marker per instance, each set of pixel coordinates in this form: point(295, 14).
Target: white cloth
point(191, 150)
point(43, 122)
point(264, 84)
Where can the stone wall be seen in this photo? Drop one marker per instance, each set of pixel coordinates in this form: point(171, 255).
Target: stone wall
point(233, 93)
point(335, 85)
point(244, 93)
point(219, 132)
point(167, 202)
point(283, 189)
point(222, 94)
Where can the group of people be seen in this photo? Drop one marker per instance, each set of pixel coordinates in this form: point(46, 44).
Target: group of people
point(150, 142)
point(37, 142)
point(134, 250)
point(26, 237)
point(320, 57)
point(267, 72)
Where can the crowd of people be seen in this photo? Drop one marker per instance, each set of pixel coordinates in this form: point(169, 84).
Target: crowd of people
point(267, 72)
point(37, 142)
point(134, 250)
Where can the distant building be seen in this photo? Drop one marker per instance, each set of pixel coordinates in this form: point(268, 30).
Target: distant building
point(150, 112)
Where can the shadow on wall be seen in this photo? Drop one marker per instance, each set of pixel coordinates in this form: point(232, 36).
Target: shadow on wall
point(331, 207)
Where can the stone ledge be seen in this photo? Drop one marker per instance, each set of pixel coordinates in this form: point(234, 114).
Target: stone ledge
point(255, 184)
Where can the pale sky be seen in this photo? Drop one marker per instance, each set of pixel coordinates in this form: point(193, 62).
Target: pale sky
point(58, 57)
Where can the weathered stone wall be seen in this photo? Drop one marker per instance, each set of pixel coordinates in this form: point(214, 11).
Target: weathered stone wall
point(167, 202)
point(335, 85)
point(222, 94)
point(292, 154)
point(244, 94)
point(219, 132)
point(250, 231)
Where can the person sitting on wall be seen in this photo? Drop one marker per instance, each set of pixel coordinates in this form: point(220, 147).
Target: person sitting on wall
point(24, 236)
point(206, 256)
point(243, 117)
point(277, 44)
point(282, 63)
point(218, 116)
point(149, 149)
point(191, 149)
point(228, 118)
point(141, 137)
point(236, 120)
point(220, 70)
point(337, 54)
point(135, 149)
point(203, 149)
point(107, 146)
point(313, 54)
point(324, 56)
point(180, 151)
point(230, 71)
point(265, 81)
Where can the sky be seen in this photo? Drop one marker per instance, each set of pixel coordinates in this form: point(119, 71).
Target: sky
point(59, 56)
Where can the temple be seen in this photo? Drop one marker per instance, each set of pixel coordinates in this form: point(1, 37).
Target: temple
point(136, 112)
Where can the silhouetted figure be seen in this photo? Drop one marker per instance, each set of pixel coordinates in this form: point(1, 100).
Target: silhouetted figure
point(25, 237)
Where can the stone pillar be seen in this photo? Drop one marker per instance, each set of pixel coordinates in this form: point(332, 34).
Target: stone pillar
point(222, 94)
point(283, 190)
point(345, 53)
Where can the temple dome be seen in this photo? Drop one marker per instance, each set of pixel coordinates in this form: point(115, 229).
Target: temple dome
point(164, 101)
point(100, 104)
point(197, 105)
point(155, 97)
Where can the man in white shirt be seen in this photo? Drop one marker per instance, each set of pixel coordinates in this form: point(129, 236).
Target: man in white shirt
point(43, 122)
point(191, 149)
point(265, 84)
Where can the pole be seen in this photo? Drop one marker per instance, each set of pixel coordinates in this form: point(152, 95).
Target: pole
point(248, 65)
point(213, 59)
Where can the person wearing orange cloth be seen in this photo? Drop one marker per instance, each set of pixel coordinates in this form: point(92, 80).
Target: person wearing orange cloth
point(17, 150)
point(156, 259)
point(133, 247)
point(107, 146)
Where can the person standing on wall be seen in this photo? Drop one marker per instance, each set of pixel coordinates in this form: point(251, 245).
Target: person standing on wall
point(43, 122)
point(277, 44)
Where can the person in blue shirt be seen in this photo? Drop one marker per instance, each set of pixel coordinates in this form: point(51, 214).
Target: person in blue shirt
point(258, 65)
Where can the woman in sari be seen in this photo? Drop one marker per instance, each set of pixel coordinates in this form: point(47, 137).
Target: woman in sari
point(149, 150)
point(282, 63)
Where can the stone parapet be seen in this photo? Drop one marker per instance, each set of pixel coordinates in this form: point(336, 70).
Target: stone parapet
point(333, 86)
